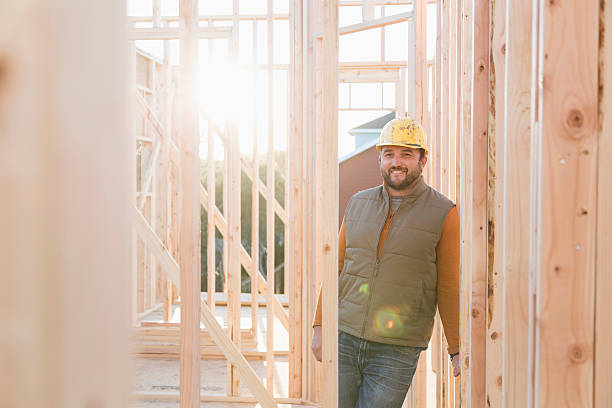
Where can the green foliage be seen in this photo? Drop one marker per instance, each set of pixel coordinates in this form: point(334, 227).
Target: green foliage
point(246, 208)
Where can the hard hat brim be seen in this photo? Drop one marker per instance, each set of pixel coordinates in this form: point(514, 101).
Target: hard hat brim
point(379, 146)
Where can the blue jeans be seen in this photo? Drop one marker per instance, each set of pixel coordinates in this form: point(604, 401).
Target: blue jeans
point(373, 375)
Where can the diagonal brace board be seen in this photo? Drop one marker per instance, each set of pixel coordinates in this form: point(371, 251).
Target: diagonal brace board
point(216, 331)
point(246, 261)
point(262, 286)
point(158, 248)
point(234, 356)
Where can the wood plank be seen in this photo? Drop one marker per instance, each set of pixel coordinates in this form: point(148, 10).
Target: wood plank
point(603, 318)
point(566, 218)
point(496, 206)
point(174, 33)
point(189, 233)
point(234, 221)
point(294, 200)
point(517, 198)
point(157, 247)
point(66, 241)
point(214, 218)
point(255, 272)
point(326, 192)
point(270, 197)
point(264, 397)
point(465, 200)
point(173, 396)
point(376, 23)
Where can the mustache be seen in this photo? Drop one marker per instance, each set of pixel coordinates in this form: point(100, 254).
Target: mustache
point(405, 170)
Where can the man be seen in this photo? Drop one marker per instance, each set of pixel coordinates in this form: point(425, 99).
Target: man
point(398, 259)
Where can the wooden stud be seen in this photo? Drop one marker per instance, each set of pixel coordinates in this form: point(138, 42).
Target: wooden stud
point(68, 182)
point(603, 323)
point(270, 182)
point(326, 181)
point(496, 204)
point(465, 201)
point(233, 237)
point(294, 202)
point(255, 198)
point(565, 219)
point(190, 208)
point(516, 199)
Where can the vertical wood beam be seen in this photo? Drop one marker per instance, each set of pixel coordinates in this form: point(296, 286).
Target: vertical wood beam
point(270, 215)
point(326, 188)
point(496, 182)
point(517, 198)
point(294, 202)
point(65, 217)
point(233, 237)
point(255, 198)
point(420, 73)
point(367, 9)
point(567, 96)
point(478, 210)
point(189, 234)
point(603, 318)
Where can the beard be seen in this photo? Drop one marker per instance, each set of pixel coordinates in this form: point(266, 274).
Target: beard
point(411, 176)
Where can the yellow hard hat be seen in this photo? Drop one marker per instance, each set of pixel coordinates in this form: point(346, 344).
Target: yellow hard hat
point(404, 132)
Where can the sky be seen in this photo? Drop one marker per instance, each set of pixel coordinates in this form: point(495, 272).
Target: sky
point(226, 89)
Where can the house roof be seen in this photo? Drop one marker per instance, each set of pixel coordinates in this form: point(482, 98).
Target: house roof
point(375, 125)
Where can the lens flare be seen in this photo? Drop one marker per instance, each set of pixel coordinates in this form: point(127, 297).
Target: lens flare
point(387, 322)
point(364, 289)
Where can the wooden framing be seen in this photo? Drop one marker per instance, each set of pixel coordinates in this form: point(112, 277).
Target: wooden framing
point(481, 126)
point(66, 210)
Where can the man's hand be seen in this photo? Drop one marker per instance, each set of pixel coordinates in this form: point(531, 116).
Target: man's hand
point(316, 342)
point(456, 365)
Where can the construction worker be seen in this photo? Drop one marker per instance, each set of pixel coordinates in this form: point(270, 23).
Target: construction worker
point(398, 260)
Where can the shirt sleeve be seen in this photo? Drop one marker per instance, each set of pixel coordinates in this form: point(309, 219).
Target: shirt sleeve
point(448, 279)
point(341, 250)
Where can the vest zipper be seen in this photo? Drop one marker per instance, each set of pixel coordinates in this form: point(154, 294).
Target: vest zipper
point(376, 267)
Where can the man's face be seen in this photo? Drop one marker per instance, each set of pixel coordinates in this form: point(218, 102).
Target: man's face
point(400, 166)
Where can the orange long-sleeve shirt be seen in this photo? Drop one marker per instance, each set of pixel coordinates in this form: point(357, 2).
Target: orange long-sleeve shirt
point(447, 255)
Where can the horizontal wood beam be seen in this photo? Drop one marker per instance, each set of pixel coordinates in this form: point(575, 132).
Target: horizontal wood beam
point(173, 33)
point(369, 75)
point(173, 396)
point(157, 247)
point(207, 18)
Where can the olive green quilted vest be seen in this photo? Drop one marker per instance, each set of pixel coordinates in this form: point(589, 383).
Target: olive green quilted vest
point(392, 299)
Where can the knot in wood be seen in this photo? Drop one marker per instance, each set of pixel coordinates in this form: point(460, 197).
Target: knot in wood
point(326, 248)
point(481, 67)
point(503, 49)
point(576, 354)
point(475, 313)
point(494, 335)
point(499, 381)
point(575, 119)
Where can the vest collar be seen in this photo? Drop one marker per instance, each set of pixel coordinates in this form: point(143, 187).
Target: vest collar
point(418, 189)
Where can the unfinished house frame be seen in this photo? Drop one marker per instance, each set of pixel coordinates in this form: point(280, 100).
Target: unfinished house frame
point(119, 191)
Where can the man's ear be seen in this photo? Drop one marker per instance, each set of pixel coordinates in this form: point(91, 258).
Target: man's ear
point(423, 161)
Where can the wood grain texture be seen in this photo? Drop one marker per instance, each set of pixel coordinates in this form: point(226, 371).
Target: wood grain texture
point(465, 202)
point(326, 190)
point(189, 233)
point(478, 216)
point(58, 262)
point(517, 198)
point(568, 97)
point(603, 318)
point(495, 196)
